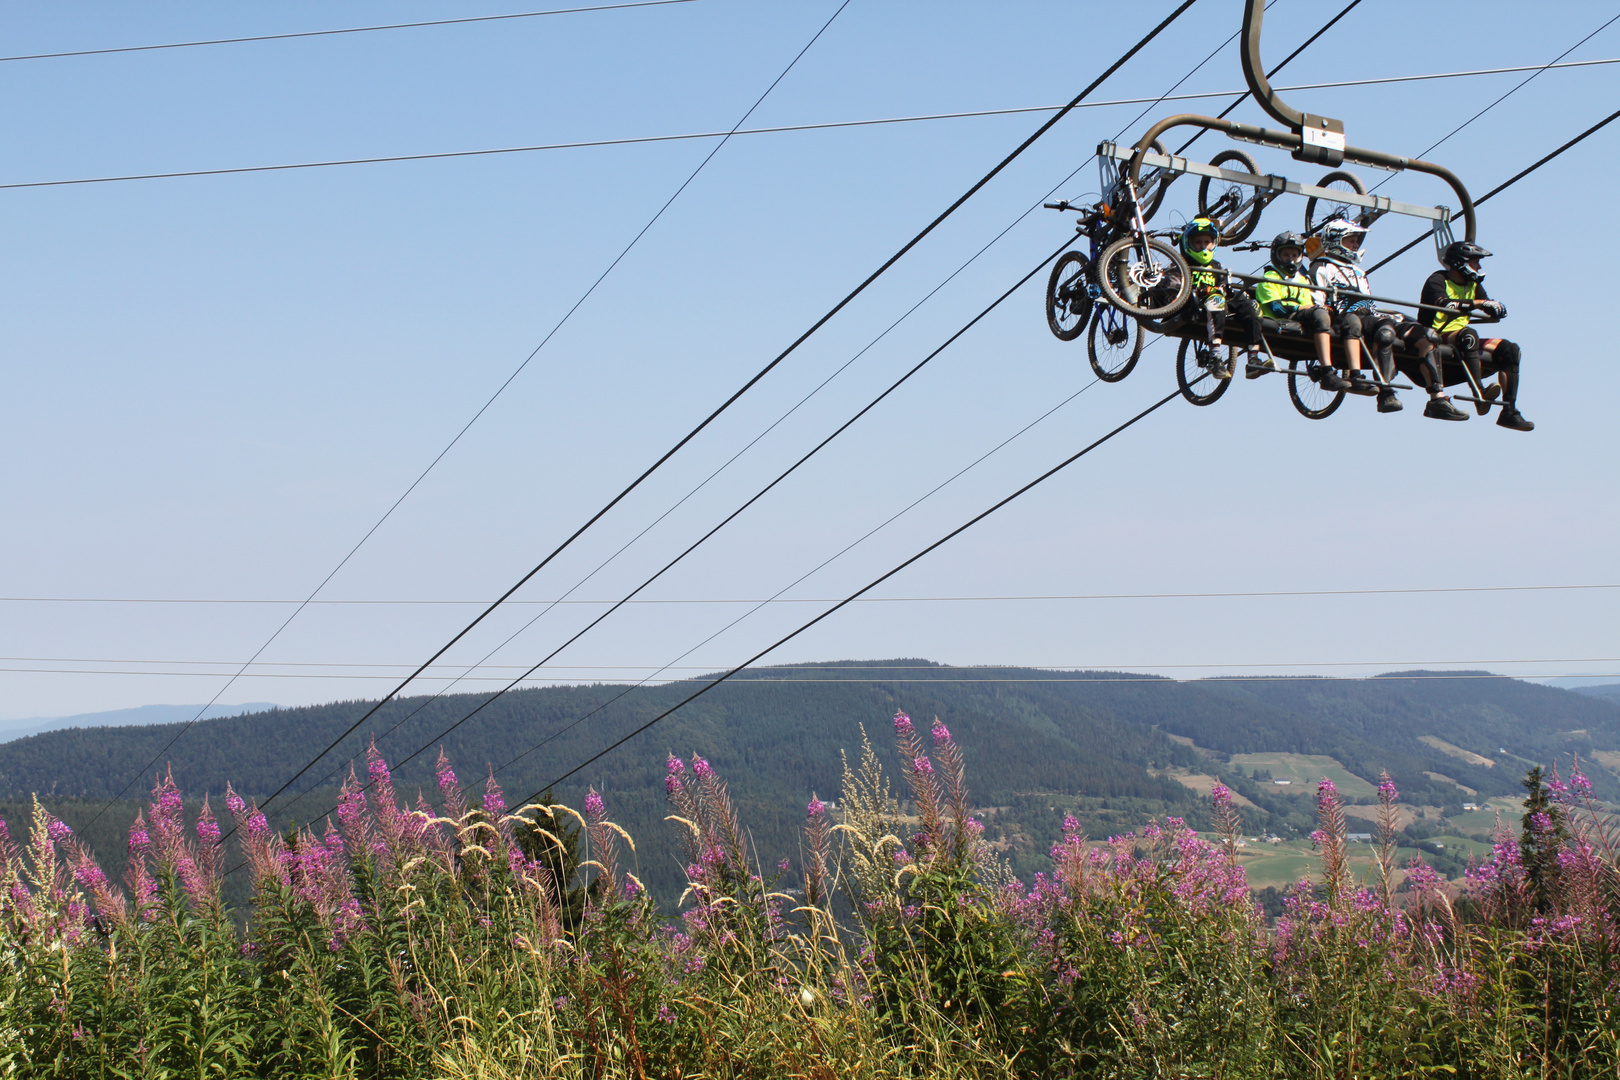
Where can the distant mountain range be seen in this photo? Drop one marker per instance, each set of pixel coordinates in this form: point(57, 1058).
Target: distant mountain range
point(1112, 747)
point(1606, 691)
point(143, 714)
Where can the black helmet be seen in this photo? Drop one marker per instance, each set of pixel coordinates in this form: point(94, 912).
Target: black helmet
point(1456, 257)
point(1287, 240)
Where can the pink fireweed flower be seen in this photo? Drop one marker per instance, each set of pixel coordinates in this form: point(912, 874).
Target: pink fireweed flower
point(58, 830)
point(785, 865)
point(816, 808)
point(256, 824)
point(89, 876)
point(1386, 791)
point(923, 765)
point(672, 784)
point(902, 725)
point(139, 839)
point(594, 806)
point(234, 803)
point(5, 832)
point(1580, 784)
point(701, 768)
point(378, 770)
point(494, 800)
point(208, 830)
point(1221, 794)
point(1420, 876)
point(941, 733)
point(1325, 791)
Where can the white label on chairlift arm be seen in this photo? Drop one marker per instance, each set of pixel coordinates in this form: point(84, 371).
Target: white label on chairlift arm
point(1332, 140)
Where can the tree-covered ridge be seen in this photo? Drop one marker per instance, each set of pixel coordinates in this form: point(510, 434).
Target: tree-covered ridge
point(1046, 744)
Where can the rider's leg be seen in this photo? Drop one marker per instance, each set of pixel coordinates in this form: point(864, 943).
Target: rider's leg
point(1505, 358)
point(1317, 322)
point(1350, 328)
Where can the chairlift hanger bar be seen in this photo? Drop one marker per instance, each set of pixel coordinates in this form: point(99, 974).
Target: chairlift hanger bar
point(1313, 138)
point(1175, 164)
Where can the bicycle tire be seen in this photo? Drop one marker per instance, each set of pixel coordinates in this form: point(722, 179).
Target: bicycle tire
point(1350, 181)
point(1308, 397)
point(1068, 299)
point(1151, 200)
point(1115, 361)
point(1196, 377)
point(1128, 274)
point(1243, 226)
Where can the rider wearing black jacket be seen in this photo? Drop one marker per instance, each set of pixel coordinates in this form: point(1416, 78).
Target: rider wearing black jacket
point(1448, 296)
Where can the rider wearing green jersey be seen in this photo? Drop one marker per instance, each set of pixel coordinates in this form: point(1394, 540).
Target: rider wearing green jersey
point(1284, 293)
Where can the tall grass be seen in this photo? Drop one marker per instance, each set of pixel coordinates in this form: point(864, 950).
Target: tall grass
point(466, 941)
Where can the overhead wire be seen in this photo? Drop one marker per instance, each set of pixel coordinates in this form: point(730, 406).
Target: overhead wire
point(811, 599)
point(491, 401)
point(813, 392)
point(1527, 80)
point(693, 547)
point(1504, 185)
point(874, 583)
point(761, 493)
point(783, 128)
point(1284, 62)
point(849, 298)
point(346, 30)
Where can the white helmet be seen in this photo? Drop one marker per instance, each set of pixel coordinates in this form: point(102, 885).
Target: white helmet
point(1334, 234)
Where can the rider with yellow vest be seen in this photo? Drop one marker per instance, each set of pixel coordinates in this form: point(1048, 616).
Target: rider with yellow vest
point(1284, 293)
point(1448, 296)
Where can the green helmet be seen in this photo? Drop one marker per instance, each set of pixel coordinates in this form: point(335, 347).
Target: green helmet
point(1200, 226)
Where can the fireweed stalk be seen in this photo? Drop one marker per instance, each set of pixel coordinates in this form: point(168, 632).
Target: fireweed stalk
point(391, 942)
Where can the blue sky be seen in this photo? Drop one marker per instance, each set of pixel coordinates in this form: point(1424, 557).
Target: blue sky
point(215, 385)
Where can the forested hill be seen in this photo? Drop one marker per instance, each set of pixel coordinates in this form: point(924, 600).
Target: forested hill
point(780, 730)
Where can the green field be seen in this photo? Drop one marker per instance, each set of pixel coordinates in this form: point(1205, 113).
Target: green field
point(1305, 770)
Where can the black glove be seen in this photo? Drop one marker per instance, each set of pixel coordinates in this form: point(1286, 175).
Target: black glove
point(1494, 308)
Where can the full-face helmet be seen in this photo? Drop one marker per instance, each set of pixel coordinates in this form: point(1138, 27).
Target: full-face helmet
point(1341, 241)
point(1456, 257)
point(1200, 226)
point(1281, 242)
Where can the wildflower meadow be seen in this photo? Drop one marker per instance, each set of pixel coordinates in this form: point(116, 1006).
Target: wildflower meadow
point(467, 939)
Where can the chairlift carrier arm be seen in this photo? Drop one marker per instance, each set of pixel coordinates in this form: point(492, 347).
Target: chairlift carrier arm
point(1312, 138)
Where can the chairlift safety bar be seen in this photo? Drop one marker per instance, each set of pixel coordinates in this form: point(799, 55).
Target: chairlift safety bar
point(1271, 182)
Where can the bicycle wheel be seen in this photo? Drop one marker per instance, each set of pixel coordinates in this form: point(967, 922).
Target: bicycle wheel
point(1155, 182)
point(1237, 228)
point(1313, 402)
point(1195, 364)
point(1144, 277)
point(1113, 343)
point(1068, 297)
point(1318, 212)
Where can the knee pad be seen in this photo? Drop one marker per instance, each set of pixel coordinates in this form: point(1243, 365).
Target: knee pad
point(1467, 340)
point(1506, 356)
point(1386, 334)
point(1318, 322)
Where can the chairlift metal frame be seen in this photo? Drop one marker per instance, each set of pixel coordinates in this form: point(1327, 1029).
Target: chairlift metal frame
point(1311, 138)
